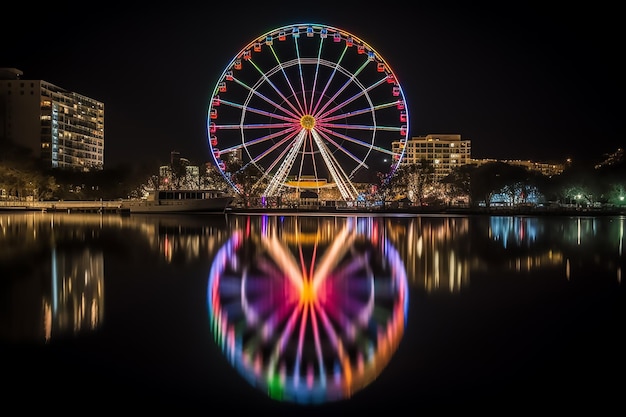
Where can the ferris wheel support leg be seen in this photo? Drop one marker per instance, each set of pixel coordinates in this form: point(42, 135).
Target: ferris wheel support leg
point(346, 188)
point(278, 180)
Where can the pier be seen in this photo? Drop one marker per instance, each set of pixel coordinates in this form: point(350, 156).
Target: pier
point(99, 206)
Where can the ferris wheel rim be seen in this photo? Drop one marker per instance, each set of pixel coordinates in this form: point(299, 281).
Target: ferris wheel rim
point(314, 30)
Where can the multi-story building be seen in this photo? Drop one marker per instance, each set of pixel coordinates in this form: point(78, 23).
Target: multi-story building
point(445, 152)
point(546, 168)
point(63, 127)
point(167, 174)
point(612, 159)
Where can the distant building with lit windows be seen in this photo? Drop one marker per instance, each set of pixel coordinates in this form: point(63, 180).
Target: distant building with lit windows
point(168, 177)
point(613, 158)
point(64, 128)
point(444, 151)
point(546, 168)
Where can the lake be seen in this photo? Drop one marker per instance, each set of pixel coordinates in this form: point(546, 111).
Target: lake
point(311, 314)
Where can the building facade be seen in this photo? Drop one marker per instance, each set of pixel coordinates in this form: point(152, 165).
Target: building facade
point(444, 151)
point(64, 128)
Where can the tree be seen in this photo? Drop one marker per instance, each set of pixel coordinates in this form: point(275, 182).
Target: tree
point(458, 183)
point(579, 184)
point(387, 183)
point(21, 175)
point(492, 177)
point(416, 179)
point(211, 178)
point(179, 173)
point(248, 180)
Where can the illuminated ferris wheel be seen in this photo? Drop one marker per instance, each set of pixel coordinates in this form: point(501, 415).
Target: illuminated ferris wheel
point(311, 106)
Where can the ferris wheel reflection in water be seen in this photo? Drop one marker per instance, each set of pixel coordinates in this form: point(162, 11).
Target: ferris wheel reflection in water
point(305, 309)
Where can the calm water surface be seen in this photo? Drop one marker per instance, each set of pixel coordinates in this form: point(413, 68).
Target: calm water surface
point(311, 315)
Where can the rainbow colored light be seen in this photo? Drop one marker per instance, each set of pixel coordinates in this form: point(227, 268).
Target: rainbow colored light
point(307, 317)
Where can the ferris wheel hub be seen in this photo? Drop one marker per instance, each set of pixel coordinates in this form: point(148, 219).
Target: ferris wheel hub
point(307, 121)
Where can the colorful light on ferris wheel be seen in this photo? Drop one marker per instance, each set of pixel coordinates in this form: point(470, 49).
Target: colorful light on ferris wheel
point(329, 76)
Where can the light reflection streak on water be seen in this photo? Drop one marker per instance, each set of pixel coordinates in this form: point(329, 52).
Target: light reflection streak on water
point(319, 312)
point(434, 250)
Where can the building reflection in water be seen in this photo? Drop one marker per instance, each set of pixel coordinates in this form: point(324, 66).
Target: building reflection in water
point(77, 292)
point(441, 252)
point(53, 265)
point(183, 239)
point(60, 288)
point(523, 240)
point(436, 251)
point(308, 309)
point(574, 244)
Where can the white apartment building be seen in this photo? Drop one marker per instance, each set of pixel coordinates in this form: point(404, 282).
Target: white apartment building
point(65, 128)
point(445, 151)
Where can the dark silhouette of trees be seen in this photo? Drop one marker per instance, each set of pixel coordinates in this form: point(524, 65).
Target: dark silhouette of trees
point(458, 184)
point(492, 177)
point(248, 180)
point(21, 175)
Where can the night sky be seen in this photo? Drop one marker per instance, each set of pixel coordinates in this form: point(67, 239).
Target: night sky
point(520, 80)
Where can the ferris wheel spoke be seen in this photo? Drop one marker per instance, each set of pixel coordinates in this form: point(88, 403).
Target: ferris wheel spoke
point(318, 345)
point(332, 256)
point(335, 95)
point(359, 161)
point(257, 126)
point(335, 68)
point(271, 149)
point(353, 113)
point(275, 182)
point(333, 336)
point(351, 139)
point(310, 151)
point(326, 132)
point(292, 118)
point(363, 93)
point(278, 179)
point(352, 79)
point(266, 78)
point(290, 130)
point(301, 339)
point(303, 89)
point(316, 76)
point(362, 127)
point(284, 337)
point(255, 91)
point(346, 188)
point(285, 261)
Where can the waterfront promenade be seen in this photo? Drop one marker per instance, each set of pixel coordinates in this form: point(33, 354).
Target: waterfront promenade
point(95, 206)
point(115, 207)
point(441, 210)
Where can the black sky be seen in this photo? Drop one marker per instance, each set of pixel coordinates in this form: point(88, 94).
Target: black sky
point(521, 80)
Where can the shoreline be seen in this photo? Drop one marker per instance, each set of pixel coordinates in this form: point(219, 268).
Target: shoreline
point(107, 208)
point(460, 211)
